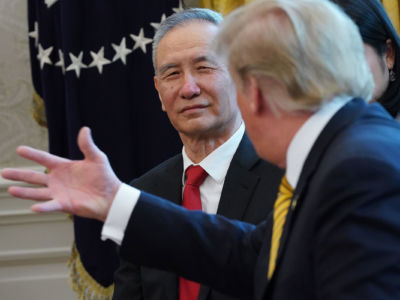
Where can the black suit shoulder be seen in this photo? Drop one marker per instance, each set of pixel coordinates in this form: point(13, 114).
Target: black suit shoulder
point(163, 180)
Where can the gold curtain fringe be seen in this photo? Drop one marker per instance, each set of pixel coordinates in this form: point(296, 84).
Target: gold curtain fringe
point(38, 110)
point(82, 283)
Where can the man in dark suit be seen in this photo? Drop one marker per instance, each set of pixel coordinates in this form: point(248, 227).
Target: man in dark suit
point(248, 194)
point(335, 234)
point(187, 74)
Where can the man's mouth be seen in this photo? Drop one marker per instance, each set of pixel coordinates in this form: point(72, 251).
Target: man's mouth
point(193, 107)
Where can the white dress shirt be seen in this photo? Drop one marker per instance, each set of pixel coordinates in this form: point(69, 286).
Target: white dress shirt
point(216, 164)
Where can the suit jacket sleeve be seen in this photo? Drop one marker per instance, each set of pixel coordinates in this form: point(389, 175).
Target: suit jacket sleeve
point(206, 248)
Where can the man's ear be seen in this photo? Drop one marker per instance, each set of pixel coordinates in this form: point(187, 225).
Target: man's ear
point(256, 96)
point(390, 54)
point(158, 91)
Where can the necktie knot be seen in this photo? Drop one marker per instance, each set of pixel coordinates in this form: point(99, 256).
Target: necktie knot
point(195, 175)
point(285, 192)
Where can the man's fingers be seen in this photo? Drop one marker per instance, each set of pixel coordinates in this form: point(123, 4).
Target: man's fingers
point(48, 206)
point(39, 194)
point(41, 157)
point(27, 176)
point(87, 146)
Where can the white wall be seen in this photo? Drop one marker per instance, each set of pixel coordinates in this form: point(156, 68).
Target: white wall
point(34, 249)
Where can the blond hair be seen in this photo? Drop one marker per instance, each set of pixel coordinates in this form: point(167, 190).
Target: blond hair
point(309, 46)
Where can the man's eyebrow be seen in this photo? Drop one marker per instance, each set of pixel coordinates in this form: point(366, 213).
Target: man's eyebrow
point(206, 58)
point(166, 67)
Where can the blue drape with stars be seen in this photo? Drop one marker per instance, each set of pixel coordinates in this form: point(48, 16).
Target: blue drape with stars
point(91, 64)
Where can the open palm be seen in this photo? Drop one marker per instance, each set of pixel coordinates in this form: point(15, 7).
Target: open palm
point(85, 187)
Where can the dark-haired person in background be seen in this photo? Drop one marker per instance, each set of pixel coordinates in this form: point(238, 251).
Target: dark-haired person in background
point(382, 47)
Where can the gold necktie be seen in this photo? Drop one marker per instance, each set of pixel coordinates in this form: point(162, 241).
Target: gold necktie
point(281, 208)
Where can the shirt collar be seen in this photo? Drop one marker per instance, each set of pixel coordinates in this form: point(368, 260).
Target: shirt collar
point(216, 163)
point(304, 139)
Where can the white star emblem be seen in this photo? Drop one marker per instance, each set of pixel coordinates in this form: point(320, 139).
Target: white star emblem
point(43, 56)
point(60, 63)
point(140, 40)
point(156, 25)
point(180, 8)
point(76, 64)
point(50, 2)
point(35, 33)
point(121, 51)
point(99, 60)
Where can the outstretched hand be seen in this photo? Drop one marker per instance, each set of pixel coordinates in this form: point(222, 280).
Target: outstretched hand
point(84, 187)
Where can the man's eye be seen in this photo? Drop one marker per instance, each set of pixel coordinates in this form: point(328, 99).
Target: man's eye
point(205, 68)
point(172, 74)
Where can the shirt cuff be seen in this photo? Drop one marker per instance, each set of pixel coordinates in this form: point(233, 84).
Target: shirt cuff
point(120, 211)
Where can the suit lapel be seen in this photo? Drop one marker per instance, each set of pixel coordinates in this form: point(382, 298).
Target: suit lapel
point(239, 182)
point(169, 183)
point(237, 190)
point(343, 118)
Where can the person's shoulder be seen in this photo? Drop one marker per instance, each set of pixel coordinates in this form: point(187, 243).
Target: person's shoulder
point(247, 156)
point(374, 129)
point(161, 171)
point(264, 167)
point(374, 136)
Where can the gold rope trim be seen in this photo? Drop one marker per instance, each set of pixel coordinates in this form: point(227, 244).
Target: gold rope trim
point(82, 283)
point(38, 110)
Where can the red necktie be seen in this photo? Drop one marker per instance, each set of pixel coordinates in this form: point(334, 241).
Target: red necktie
point(195, 175)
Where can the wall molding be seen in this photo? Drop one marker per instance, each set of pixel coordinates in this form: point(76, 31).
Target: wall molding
point(17, 216)
point(26, 216)
point(34, 256)
point(46, 279)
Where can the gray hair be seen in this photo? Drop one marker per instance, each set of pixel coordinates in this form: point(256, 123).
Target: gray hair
point(181, 18)
point(310, 47)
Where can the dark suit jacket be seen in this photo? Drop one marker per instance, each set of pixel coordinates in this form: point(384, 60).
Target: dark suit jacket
point(248, 194)
point(342, 235)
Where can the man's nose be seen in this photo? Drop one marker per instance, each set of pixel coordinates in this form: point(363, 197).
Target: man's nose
point(189, 89)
